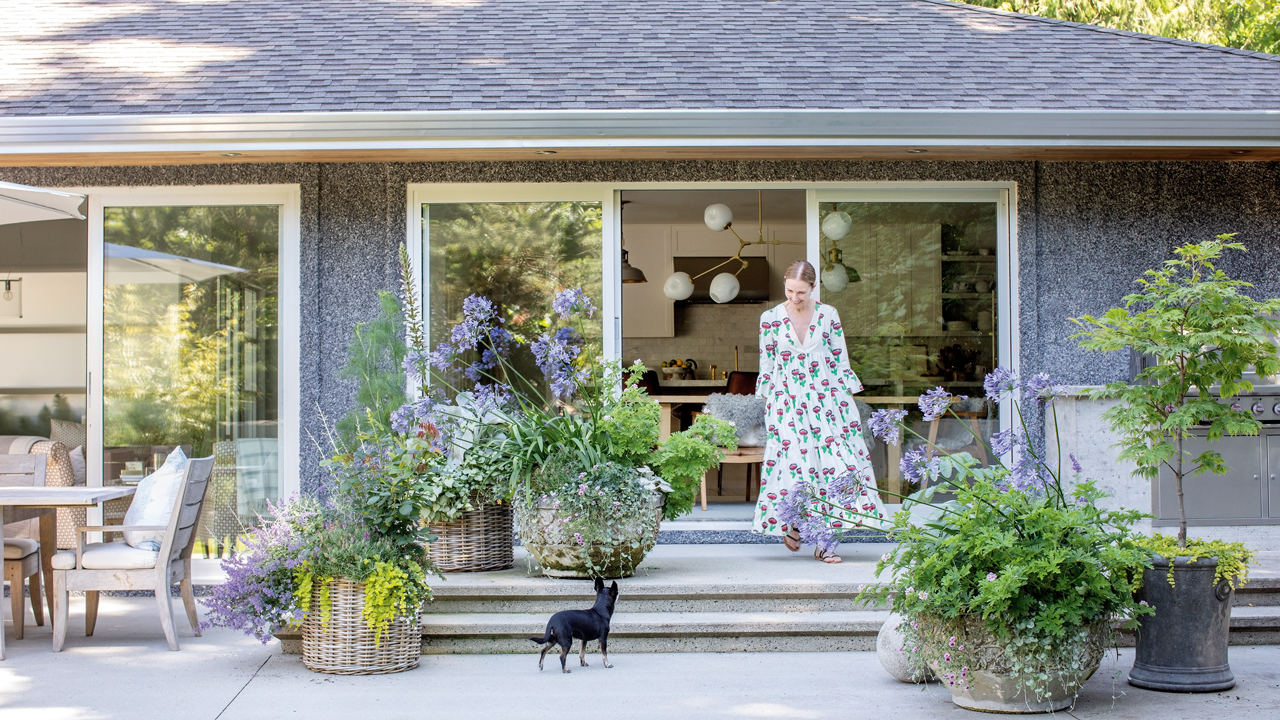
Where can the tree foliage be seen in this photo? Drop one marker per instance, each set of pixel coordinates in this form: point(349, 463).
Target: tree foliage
point(1204, 334)
point(1245, 24)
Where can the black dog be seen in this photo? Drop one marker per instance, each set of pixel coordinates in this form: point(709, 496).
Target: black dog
point(568, 625)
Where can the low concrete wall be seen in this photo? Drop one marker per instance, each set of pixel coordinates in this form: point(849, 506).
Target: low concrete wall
point(1082, 432)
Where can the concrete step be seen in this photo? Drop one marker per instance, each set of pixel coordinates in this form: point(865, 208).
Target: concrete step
point(664, 632)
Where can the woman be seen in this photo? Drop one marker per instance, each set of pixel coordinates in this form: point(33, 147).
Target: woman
point(814, 432)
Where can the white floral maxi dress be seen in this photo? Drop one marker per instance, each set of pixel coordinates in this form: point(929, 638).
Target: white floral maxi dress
point(813, 428)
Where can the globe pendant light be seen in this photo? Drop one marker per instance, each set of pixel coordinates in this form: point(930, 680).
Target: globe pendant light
point(724, 287)
point(678, 287)
point(836, 225)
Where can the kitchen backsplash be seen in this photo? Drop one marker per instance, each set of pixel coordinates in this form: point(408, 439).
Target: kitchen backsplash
point(707, 334)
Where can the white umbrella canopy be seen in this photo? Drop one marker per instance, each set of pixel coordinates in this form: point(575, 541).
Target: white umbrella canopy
point(126, 265)
point(23, 203)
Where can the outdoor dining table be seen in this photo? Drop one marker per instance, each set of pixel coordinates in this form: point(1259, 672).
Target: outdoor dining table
point(28, 503)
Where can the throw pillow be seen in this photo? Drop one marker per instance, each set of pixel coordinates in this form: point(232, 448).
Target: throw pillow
point(77, 464)
point(153, 502)
point(66, 432)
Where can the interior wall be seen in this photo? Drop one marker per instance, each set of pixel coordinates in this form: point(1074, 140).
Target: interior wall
point(1085, 230)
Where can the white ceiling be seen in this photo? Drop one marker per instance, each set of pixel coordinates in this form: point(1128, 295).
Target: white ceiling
point(685, 207)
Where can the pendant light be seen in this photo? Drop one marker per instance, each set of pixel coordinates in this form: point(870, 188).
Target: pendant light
point(724, 286)
point(835, 275)
point(630, 275)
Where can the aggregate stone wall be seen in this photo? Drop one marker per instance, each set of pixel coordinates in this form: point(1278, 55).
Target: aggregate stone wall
point(1085, 230)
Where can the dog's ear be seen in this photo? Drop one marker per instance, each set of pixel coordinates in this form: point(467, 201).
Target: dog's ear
point(613, 589)
point(600, 584)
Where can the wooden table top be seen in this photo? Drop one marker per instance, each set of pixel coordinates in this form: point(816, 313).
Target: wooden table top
point(61, 496)
point(679, 399)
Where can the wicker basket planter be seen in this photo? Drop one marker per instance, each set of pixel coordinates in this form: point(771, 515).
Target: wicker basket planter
point(559, 556)
point(480, 540)
point(345, 646)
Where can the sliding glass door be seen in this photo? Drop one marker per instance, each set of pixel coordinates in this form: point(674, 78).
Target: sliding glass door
point(920, 279)
point(191, 351)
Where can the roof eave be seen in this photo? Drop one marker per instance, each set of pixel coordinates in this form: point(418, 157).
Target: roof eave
point(584, 130)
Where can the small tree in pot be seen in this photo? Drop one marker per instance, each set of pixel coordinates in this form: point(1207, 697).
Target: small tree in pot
point(1204, 335)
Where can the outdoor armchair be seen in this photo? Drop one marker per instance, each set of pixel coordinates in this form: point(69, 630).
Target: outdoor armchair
point(119, 566)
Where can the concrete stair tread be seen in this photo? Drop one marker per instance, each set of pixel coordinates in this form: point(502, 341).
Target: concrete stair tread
point(666, 623)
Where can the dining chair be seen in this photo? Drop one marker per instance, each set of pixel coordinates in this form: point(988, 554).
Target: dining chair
point(118, 566)
point(22, 555)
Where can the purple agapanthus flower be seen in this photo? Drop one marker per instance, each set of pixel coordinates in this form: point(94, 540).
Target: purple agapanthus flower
point(1004, 441)
point(571, 302)
point(934, 403)
point(1041, 388)
point(794, 512)
point(1000, 383)
point(556, 355)
point(916, 465)
point(884, 424)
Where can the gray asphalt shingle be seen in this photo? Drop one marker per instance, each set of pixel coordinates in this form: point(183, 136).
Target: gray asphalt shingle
point(71, 57)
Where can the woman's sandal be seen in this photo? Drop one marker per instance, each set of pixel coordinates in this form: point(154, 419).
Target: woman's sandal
point(792, 540)
point(826, 556)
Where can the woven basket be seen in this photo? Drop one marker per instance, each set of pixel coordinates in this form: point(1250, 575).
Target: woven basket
point(344, 646)
point(480, 540)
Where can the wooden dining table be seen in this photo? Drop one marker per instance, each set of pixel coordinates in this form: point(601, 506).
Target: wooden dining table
point(30, 503)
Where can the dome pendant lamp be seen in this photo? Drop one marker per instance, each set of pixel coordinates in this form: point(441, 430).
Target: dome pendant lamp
point(630, 275)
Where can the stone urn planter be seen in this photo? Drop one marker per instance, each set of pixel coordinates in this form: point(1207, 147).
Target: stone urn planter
point(543, 532)
point(1183, 647)
point(988, 684)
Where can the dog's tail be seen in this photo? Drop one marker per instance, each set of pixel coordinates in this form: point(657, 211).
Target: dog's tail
point(547, 637)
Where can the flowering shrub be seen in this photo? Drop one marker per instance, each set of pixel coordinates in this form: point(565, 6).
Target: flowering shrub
point(308, 544)
point(1019, 573)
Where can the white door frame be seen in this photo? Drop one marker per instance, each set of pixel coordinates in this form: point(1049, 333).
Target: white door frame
point(289, 198)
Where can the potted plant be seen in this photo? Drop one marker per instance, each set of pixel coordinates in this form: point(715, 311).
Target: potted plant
point(1203, 334)
point(1008, 591)
point(587, 427)
point(351, 572)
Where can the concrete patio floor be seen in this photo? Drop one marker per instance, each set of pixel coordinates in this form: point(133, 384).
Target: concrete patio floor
point(126, 671)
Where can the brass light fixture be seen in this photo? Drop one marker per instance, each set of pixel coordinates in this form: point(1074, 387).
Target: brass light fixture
point(630, 275)
point(724, 287)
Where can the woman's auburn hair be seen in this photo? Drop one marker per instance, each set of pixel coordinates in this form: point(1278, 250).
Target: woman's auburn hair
point(802, 270)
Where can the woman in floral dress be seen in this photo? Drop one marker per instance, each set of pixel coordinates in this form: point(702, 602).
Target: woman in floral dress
point(814, 431)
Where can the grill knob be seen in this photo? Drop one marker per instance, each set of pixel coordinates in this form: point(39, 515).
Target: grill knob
point(1259, 408)
point(1276, 409)
point(1236, 407)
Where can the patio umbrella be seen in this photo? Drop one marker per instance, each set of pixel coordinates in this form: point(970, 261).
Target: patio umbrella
point(23, 203)
point(135, 266)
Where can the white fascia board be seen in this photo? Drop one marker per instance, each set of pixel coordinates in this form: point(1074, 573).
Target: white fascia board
point(637, 128)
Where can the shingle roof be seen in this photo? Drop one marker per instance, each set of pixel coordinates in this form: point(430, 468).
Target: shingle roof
point(99, 57)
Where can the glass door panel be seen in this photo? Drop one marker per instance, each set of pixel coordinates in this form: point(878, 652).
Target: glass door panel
point(516, 254)
point(190, 349)
point(916, 286)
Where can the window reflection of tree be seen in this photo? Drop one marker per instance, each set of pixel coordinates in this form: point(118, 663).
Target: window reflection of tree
point(183, 364)
point(518, 255)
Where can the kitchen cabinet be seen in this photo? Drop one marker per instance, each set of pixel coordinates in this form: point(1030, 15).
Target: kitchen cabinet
point(646, 312)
